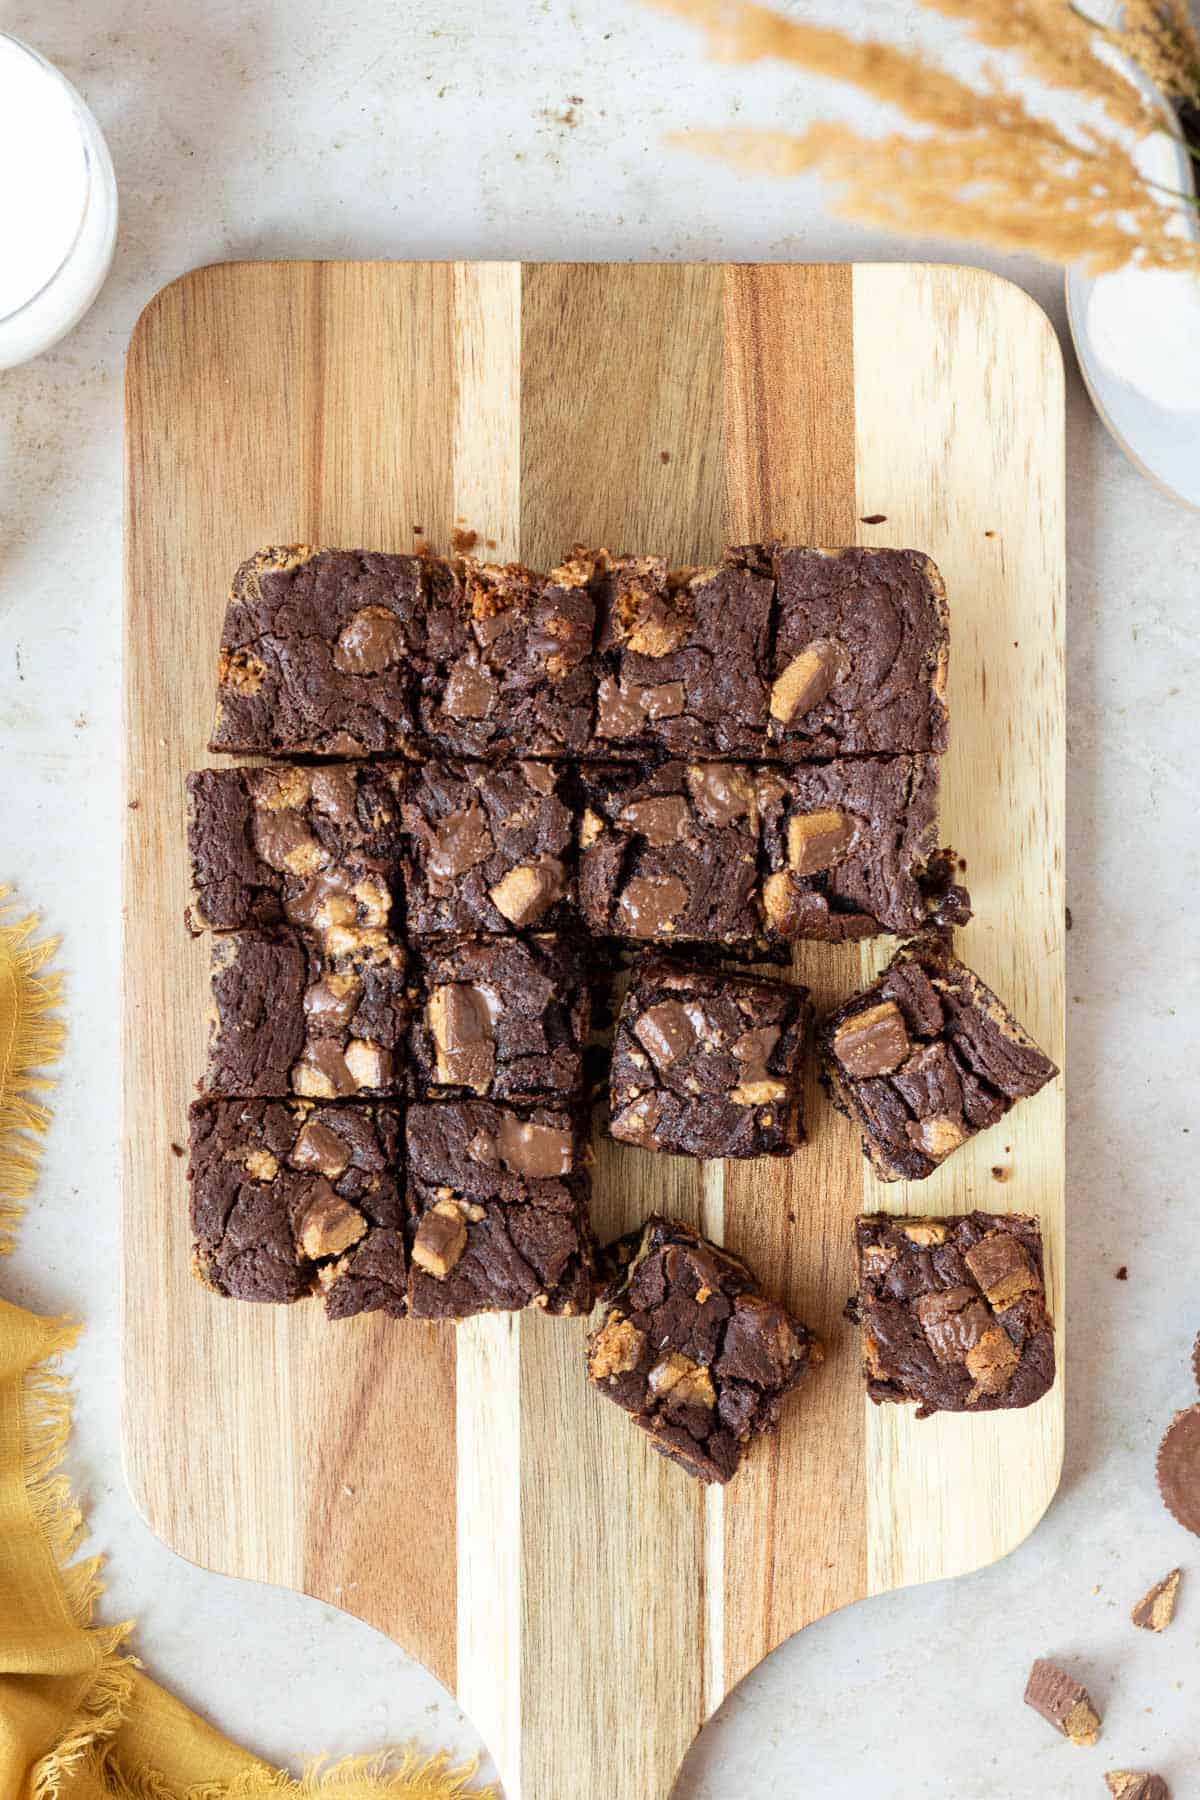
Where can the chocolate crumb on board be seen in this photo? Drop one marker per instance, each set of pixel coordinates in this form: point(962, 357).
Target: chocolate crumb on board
point(873, 519)
point(1122, 1273)
point(1155, 1610)
point(1131, 1784)
point(1062, 1702)
point(463, 541)
point(1179, 1469)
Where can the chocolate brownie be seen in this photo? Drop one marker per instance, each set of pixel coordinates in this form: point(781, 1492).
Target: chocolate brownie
point(850, 849)
point(498, 1205)
point(671, 854)
point(489, 850)
point(692, 1348)
point(290, 1017)
point(709, 1064)
point(317, 847)
point(860, 653)
point(321, 651)
point(684, 657)
point(503, 1018)
point(512, 669)
point(953, 1311)
point(288, 1198)
point(926, 1058)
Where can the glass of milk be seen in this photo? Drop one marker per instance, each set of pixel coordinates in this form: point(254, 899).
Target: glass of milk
point(58, 205)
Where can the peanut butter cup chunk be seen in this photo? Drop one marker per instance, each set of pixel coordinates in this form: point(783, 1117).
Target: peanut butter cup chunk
point(1179, 1469)
point(1062, 1702)
point(503, 1019)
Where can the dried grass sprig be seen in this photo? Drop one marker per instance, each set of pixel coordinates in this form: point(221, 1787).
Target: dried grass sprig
point(1163, 40)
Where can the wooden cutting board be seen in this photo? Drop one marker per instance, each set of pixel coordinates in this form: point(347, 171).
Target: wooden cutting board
point(464, 1490)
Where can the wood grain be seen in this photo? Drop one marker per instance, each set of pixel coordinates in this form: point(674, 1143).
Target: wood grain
point(469, 1495)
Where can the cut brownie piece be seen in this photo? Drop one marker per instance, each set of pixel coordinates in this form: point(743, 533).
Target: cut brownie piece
point(850, 848)
point(287, 1197)
point(709, 1064)
point(512, 662)
point(489, 849)
point(316, 847)
point(925, 1058)
point(505, 1019)
point(498, 1204)
point(320, 651)
point(670, 855)
point(684, 657)
point(860, 653)
point(692, 1348)
point(291, 1017)
point(953, 1311)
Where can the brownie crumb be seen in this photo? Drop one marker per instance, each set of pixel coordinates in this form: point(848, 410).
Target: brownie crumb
point(1070, 921)
point(177, 1150)
point(133, 805)
point(873, 519)
point(1062, 1702)
point(1122, 1273)
point(462, 541)
point(1155, 1610)
point(664, 456)
point(998, 1173)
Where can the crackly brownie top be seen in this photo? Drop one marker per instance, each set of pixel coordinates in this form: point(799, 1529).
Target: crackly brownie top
point(683, 656)
point(670, 854)
point(317, 846)
point(499, 1208)
point(490, 849)
point(512, 661)
point(708, 1064)
point(691, 1347)
point(286, 1196)
point(319, 651)
point(927, 1057)
point(860, 652)
point(953, 1311)
point(505, 1018)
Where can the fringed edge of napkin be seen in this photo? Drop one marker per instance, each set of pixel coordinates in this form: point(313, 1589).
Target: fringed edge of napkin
point(34, 1040)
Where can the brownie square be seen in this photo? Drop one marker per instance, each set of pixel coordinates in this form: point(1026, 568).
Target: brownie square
point(288, 1198)
point(709, 1064)
point(512, 667)
point(291, 1017)
point(684, 657)
point(925, 1058)
point(850, 849)
point(860, 653)
point(489, 851)
point(693, 1350)
point(498, 1210)
point(670, 855)
point(320, 650)
point(285, 844)
point(953, 1311)
point(502, 1018)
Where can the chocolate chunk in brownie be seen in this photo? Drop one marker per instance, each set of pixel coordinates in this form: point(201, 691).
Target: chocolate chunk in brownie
point(692, 1348)
point(684, 657)
point(860, 653)
point(498, 1204)
point(709, 1064)
point(926, 1058)
point(670, 855)
point(291, 1017)
point(490, 850)
point(512, 667)
point(288, 1198)
point(321, 650)
point(504, 1019)
point(1062, 1702)
point(850, 848)
point(953, 1311)
point(317, 847)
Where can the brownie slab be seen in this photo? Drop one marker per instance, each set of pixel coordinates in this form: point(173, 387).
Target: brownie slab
point(709, 1064)
point(504, 1019)
point(953, 1311)
point(489, 850)
point(860, 653)
point(693, 1350)
point(850, 849)
point(320, 652)
point(288, 1198)
point(683, 657)
point(289, 1017)
point(498, 1210)
point(926, 1058)
point(313, 847)
point(670, 855)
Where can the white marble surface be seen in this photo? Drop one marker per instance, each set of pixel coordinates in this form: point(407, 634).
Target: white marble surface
point(441, 128)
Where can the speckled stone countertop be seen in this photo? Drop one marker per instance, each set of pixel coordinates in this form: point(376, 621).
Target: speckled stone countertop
point(517, 128)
